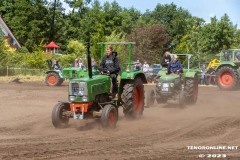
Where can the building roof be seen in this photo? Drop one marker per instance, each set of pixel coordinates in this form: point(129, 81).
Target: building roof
point(6, 31)
point(52, 45)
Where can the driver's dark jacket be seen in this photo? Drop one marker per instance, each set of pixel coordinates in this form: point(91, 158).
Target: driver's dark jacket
point(175, 66)
point(110, 64)
point(165, 61)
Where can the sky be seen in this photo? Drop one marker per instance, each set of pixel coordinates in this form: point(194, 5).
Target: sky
point(200, 8)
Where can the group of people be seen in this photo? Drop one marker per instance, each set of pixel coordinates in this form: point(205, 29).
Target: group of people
point(80, 64)
point(207, 75)
point(228, 56)
point(172, 64)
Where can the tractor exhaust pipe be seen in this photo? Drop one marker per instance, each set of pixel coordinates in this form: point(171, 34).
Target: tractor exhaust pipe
point(89, 61)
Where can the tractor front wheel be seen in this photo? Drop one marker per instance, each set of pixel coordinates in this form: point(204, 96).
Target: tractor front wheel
point(227, 78)
point(59, 119)
point(53, 79)
point(133, 99)
point(191, 89)
point(109, 116)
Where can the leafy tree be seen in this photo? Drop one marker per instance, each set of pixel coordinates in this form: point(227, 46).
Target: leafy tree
point(150, 42)
point(176, 21)
point(27, 20)
point(77, 48)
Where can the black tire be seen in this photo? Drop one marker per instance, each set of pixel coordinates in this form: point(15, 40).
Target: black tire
point(53, 79)
point(182, 99)
point(191, 90)
point(150, 98)
point(58, 119)
point(133, 99)
point(227, 78)
point(61, 81)
point(109, 116)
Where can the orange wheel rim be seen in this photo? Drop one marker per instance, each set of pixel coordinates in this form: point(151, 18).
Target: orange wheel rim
point(112, 118)
point(226, 79)
point(138, 99)
point(52, 80)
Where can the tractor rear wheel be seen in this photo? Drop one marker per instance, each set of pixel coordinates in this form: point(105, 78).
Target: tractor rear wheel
point(59, 119)
point(109, 116)
point(133, 99)
point(227, 78)
point(191, 90)
point(53, 79)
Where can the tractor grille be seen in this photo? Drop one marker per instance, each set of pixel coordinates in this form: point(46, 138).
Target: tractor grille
point(78, 88)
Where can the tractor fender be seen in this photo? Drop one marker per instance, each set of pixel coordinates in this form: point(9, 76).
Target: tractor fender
point(55, 71)
point(51, 71)
point(231, 64)
point(191, 74)
point(132, 75)
point(128, 77)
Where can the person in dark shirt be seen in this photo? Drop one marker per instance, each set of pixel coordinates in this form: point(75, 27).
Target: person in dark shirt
point(56, 65)
point(175, 65)
point(166, 59)
point(110, 66)
point(211, 73)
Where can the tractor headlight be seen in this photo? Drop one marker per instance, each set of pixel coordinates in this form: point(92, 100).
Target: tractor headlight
point(159, 84)
point(72, 98)
point(171, 84)
point(127, 70)
point(85, 98)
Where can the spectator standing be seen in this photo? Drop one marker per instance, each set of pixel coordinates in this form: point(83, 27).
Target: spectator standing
point(80, 64)
point(75, 63)
point(139, 65)
point(211, 73)
point(203, 75)
point(145, 68)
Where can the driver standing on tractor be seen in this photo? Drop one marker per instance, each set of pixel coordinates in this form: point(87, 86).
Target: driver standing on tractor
point(166, 59)
point(175, 65)
point(110, 66)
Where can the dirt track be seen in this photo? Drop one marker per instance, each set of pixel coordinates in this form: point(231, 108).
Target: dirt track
point(164, 132)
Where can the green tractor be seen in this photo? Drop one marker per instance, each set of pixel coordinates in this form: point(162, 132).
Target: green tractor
point(89, 94)
point(53, 77)
point(175, 86)
point(227, 71)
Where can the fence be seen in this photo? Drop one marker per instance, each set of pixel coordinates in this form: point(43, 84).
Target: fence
point(11, 71)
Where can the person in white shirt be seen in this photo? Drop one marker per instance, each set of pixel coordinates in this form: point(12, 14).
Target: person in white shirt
point(145, 67)
point(80, 64)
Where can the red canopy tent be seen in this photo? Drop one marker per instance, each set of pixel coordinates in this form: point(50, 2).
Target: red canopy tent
point(51, 47)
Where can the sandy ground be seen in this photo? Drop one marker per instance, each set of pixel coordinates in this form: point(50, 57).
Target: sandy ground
point(164, 131)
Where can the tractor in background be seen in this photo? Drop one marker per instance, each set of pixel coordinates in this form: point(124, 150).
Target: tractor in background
point(227, 71)
point(89, 94)
point(175, 86)
point(53, 77)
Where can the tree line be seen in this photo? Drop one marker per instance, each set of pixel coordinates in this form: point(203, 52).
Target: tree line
point(167, 27)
